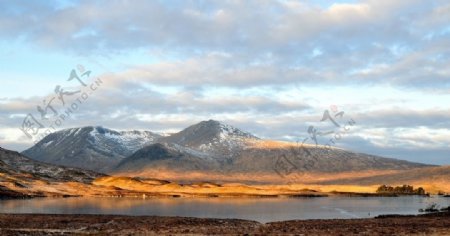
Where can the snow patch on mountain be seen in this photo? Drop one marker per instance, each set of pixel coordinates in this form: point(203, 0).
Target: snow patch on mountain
point(132, 140)
point(188, 150)
point(228, 138)
point(48, 143)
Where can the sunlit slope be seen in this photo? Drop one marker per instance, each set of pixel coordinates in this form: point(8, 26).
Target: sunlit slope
point(254, 161)
point(432, 178)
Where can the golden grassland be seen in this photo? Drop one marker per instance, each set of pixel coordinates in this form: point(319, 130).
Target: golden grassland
point(128, 186)
point(262, 177)
point(433, 179)
point(201, 188)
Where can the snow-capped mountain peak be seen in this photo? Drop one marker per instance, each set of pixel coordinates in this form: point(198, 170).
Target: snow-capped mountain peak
point(90, 147)
point(211, 137)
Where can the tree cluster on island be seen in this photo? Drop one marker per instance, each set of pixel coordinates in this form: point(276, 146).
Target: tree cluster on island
point(401, 190)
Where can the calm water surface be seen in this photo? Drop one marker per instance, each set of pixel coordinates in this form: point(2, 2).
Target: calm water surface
point(259, 209)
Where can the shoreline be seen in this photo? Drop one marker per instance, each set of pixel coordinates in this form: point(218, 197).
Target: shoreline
point(125, 193)
point(205, 196)
point(77, 224)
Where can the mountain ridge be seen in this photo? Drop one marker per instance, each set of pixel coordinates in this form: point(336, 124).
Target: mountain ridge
point(90, 147)
point(209, 147)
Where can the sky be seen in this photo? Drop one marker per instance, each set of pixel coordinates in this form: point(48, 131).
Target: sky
point(272, 68)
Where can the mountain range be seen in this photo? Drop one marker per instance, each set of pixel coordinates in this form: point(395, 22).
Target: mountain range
point(209, 149)
point(21, 177)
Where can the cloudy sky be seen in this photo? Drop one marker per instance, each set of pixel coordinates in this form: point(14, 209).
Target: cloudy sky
point(268, 67)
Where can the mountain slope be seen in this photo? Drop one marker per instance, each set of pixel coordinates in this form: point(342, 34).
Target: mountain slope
point(254, 164)
point(435, 175)
point(433, 179)
point(93, 148)
point(12, 162)
point(167, 156)
point(311, 158)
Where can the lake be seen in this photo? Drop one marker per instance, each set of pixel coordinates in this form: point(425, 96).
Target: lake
point(259, 209)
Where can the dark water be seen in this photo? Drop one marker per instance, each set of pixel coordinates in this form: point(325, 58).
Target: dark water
point(259, 209)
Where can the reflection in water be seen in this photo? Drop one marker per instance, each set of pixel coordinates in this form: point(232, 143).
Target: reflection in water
point(259, 209)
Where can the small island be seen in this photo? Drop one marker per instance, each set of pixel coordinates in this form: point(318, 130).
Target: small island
point(402, 190)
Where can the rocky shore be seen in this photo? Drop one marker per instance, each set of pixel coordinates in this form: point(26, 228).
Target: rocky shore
point(47, 224)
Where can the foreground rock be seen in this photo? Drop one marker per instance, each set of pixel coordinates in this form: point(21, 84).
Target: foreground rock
point(37, 224)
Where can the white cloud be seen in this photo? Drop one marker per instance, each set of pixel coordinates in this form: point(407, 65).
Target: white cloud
point(269, 67)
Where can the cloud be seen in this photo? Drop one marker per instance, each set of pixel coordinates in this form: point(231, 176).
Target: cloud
point(269, 67)
point(405, 118)
point(262, 42)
